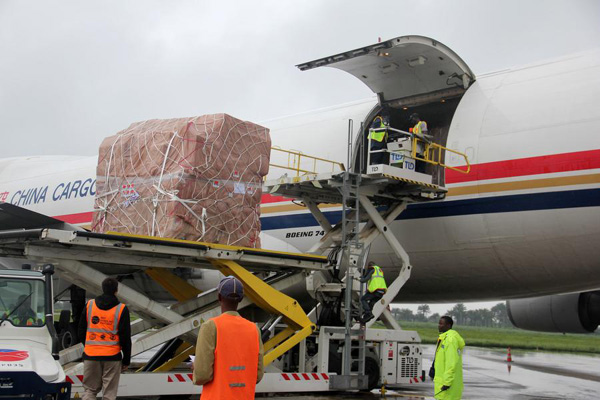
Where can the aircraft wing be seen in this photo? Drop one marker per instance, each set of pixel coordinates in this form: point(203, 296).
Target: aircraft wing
point(15, 217)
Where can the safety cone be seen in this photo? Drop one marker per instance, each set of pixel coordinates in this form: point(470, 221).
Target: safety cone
point(509, 357)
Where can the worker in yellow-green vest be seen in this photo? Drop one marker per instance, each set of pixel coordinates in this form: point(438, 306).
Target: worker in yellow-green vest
point(419, 127)
point(23, 315)
point(446, 371)
point(378, 137)
point(376, 288)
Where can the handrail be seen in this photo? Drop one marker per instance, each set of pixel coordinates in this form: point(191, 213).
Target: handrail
point(429, 155)
point(294, 159)
point(429, 148)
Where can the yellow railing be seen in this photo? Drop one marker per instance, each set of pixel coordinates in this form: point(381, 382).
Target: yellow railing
point(432, 153)
point(295, 161)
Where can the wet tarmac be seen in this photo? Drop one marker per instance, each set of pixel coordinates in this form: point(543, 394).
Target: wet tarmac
point(487, 375)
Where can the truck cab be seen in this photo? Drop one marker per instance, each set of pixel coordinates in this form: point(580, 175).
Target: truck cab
point(28, 360)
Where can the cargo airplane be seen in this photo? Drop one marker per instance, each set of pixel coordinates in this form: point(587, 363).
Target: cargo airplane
point(523, 225)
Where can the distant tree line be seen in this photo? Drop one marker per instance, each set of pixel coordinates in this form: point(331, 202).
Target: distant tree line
point(495, 317)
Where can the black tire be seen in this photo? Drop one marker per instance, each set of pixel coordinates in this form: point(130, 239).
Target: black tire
point(67, 337)
point(64, 320)
point(372, 371)
point(335, 363)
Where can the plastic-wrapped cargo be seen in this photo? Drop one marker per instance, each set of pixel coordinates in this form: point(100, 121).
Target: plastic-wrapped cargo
point(194, 178)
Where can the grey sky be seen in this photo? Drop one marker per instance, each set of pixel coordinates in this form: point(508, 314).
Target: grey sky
point(73, 72)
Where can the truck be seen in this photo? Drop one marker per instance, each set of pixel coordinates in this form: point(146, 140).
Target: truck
point(29, 365)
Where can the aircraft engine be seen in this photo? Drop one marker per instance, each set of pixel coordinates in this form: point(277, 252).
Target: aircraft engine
point(566, 313)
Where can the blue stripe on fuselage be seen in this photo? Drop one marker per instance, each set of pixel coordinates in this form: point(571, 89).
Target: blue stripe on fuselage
point(451, 208)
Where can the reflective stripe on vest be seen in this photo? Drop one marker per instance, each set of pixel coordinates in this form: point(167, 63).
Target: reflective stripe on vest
point(420, 127)
point(102, 338)
point(377, 281)
point(236, 360)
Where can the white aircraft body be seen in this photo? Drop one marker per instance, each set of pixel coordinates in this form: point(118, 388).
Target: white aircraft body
point(524, 222)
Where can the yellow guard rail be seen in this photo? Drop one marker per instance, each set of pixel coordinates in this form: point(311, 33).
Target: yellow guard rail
point(432, 154)
point(295, 159)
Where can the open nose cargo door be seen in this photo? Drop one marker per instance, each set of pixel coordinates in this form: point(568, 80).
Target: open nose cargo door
point(403, 68)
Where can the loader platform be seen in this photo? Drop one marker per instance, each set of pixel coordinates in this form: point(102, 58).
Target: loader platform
point(146, 251)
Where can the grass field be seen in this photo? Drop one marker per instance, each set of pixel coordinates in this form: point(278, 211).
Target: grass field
point(515, 338)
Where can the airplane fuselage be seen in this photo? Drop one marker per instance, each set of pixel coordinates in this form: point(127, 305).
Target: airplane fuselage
point(525, 222)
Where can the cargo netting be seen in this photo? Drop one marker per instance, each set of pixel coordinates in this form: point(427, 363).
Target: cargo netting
point(188, 178)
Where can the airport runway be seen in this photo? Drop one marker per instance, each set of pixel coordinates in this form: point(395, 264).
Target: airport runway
point(487, 375)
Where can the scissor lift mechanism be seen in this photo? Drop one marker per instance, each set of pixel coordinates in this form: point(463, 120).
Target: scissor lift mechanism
point(383, 194)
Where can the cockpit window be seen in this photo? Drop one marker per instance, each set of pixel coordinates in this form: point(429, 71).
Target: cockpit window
point(22, 302)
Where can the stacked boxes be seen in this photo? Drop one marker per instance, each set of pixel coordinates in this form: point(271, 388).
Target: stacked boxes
point(188, 178)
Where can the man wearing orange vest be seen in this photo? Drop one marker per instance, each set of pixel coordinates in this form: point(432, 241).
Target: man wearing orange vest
point(107, 346)
point(229, 350)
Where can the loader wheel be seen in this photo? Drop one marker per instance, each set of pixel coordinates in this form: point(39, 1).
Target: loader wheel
point(68, 337)
point(372, 371)
point(64, 320)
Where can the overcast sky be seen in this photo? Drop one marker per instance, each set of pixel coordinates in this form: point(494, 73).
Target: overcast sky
point(73, 72)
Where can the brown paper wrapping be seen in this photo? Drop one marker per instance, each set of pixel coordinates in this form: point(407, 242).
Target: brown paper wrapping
point(187, 178)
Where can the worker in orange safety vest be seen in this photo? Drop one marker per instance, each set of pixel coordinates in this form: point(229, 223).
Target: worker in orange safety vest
point(229, 350)
point(105, 325)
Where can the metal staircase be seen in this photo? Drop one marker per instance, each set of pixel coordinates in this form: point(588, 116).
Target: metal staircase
point(352, 258)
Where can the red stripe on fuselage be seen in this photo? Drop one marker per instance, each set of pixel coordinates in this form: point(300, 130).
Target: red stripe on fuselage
point(79, 218)
point(269, 198)
point(564, 162)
